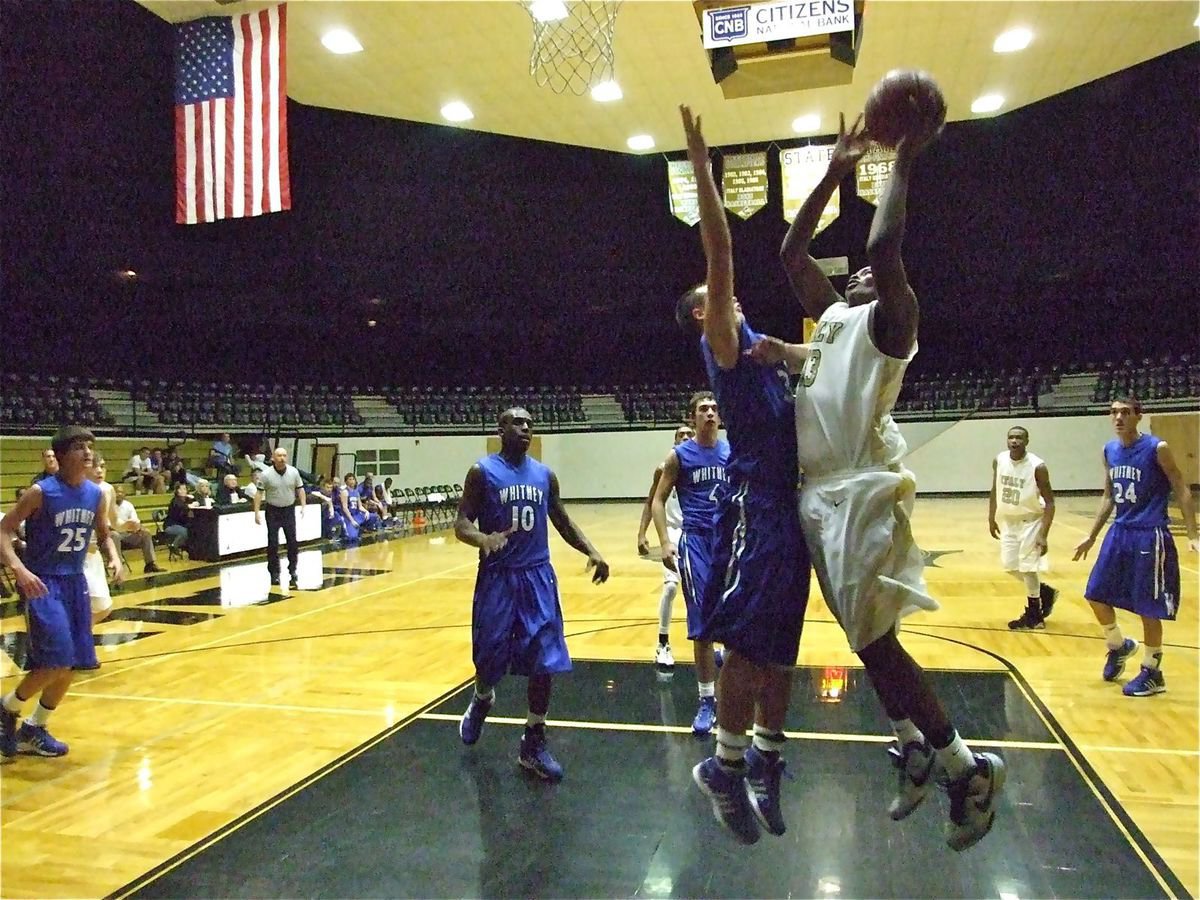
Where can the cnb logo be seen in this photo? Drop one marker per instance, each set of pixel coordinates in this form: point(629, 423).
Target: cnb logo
point(729, 24)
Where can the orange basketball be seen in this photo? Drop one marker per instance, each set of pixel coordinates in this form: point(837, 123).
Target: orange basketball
point(905, 102)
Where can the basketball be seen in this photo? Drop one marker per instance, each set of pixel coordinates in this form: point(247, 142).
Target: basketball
point(905, 102)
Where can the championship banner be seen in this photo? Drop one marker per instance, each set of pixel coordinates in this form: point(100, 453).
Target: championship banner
point(685, 202)
point(802, 169)
point(744, 183)
point(872, 171)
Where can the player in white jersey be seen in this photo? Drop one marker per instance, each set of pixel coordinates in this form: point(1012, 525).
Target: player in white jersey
point(94, 569)
point(857, 498)
point(1020, 510)
point(663, 659)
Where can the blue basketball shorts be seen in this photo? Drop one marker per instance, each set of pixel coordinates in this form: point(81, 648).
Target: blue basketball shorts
point(695, 571)
point(756, 598)
point(517, 624)
point(59, 625)
point(1137, 570)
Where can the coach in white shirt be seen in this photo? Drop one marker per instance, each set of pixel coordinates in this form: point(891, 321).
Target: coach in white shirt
point(281, 487)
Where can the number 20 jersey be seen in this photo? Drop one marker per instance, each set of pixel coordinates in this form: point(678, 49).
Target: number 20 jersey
point(845, 397)
point(516, 498)
point(57, 536)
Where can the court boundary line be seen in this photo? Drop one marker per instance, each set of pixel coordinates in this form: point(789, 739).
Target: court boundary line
point(1171, 884)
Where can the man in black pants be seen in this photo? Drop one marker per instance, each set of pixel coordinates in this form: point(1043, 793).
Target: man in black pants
point(282, 488)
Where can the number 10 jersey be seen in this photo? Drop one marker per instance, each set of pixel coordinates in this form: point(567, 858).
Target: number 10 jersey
point(516, 499)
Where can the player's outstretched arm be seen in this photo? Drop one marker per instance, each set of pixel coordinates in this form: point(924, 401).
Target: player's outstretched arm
point(658, 506)
point(720, 319)
point(29, 584)
point(572, 535)
point(771, 351)
point(647, 515)
point(1183, 494)
point(894, 327)
point(810, 285)
point(469, 506)
point(1102, 514)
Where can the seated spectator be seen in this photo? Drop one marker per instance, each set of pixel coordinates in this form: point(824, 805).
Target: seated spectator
point(203, 498)
point(49, 466)
point(252, 488)
point(221, 455)
point(175, 524)
point(349, 506)
point(140, 473)
point(372, 497)
point(178, 475)
point(130, 532)
point(229, 493)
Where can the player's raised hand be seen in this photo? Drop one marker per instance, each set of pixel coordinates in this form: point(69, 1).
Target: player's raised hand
point(768, 351)
point(497, 540)
point(850, 146)
point(697, 148)
point(1081, 551)
point(597, 562)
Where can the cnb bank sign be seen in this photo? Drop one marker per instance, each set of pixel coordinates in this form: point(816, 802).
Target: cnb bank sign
point(776, 21)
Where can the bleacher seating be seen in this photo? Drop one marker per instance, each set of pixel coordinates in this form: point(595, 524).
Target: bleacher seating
point(34, 400)
point(1168, 378)
point(478, 406)
point(192, 404)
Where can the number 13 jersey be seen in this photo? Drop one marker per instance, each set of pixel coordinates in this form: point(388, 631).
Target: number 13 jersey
point(516, 498)
point(845, 397)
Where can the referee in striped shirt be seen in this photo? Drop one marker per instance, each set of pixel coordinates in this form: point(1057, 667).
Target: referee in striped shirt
point(282, 488)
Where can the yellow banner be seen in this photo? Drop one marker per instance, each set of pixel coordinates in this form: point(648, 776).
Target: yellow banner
point(872, 172)
point(744, 183)
point(685, 204)
point(802, 169)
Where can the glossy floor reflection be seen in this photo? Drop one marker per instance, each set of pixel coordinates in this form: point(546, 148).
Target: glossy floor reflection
point(420, 815)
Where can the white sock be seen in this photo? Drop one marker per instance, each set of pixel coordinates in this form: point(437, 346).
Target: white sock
point(1032, 582)
point(956, 758)
point(11, 703)
point(40, 715)
point(768, 741)
point(534, 719)
point(731, 748)
point(906, 732)
point(1112, 636)
point(1153, 657)
point(664, 606)
point(708, 688)
point(486, 698)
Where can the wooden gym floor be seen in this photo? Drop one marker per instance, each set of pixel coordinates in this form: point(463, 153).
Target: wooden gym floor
point(228, 723)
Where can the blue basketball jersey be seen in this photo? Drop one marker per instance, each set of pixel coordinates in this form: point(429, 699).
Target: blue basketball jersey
point(516, 498)
point(701, 474)
point(353, 498)
point(757, 410)
point(57, 535)
point(1140, 487)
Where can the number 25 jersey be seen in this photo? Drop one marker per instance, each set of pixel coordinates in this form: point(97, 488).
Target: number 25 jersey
point(516, 498)
point(57, 536)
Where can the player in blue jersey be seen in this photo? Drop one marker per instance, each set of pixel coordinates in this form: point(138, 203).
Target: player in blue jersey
point(516, 619)
point(664, 662)
point(1138, 566)
point(695, 470)
point(60, 513)
point(757, 597)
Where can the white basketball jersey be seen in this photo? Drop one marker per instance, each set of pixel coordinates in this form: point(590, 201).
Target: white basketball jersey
point(1017, 493)
point(674, 513)
point(846, 394)
point(109, 493)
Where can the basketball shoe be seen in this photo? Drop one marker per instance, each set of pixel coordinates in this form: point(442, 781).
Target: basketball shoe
point(914, 776)
point(726, 790)
point(763, 774)
point(1114, 663)
point(973, 801)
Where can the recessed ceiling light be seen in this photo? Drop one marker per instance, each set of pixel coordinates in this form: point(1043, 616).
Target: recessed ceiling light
point(548, 10)
point(340, 41)
point(1013, 40)
point(457, 111)
point(987, 103)
point(806, 124)
point(607, 91)
point(640, 142)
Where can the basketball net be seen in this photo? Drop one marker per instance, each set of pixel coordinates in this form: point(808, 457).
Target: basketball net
point(572, 43)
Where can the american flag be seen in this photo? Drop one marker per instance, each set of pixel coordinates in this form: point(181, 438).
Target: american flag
point(231, 117)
